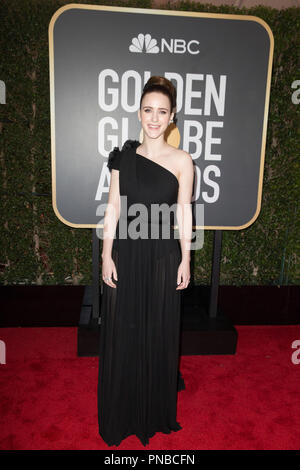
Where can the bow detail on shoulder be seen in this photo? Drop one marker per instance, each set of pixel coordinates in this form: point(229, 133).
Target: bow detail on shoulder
point(115, 155)
point(130, 144)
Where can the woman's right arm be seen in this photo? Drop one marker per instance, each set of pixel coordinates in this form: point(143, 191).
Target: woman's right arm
point(111, 217)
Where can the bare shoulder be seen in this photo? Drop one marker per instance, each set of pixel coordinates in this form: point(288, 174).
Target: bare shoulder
point(184, 159)
point(182, 162)
point(183, 155)
point(179, 154)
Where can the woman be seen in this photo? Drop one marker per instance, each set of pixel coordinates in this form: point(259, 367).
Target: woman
point(143, 277)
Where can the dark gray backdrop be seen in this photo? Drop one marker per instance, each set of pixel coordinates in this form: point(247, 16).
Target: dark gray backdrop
point(85, 40)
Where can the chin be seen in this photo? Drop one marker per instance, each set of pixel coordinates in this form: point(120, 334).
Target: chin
point(151, 136)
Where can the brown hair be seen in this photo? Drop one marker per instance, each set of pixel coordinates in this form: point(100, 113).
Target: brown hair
point(162, 85)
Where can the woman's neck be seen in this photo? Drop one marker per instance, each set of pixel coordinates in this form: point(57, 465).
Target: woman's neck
point(153, 147)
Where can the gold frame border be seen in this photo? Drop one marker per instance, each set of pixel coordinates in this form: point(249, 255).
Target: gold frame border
point(158, 12)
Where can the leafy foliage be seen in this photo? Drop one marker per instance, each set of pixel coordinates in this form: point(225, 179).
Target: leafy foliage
point(37, 248)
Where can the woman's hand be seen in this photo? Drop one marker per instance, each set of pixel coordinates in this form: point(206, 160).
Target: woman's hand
point(183, 275)
point(109, 268)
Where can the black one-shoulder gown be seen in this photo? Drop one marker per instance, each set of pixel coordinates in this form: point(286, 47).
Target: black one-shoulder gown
point(140, 319)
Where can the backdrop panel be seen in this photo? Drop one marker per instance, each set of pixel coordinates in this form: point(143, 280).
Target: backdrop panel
point(100, 59)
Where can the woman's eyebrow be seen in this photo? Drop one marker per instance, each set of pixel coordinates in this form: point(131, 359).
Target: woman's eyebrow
point(151, 107)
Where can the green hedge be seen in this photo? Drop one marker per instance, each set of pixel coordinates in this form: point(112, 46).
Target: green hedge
point(37, 248)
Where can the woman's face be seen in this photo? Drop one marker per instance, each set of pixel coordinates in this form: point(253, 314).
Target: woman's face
point(155, 114)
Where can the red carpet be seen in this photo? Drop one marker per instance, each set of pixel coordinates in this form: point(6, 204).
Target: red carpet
point(250, 400)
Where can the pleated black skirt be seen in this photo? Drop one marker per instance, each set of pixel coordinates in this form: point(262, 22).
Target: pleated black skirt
point(139, 342)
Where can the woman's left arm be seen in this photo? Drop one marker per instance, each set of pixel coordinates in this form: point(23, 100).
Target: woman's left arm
point(185, 218)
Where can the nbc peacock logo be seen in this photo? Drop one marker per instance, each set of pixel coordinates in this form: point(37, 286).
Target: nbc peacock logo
point(144, 43)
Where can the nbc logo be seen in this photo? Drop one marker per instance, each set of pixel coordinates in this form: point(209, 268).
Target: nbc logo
point(137, 44)
point(145, 43)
